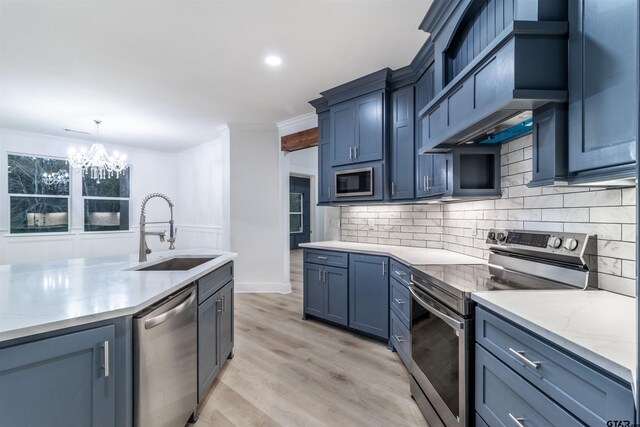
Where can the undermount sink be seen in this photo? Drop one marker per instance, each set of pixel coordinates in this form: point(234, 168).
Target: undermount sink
point(177, 264)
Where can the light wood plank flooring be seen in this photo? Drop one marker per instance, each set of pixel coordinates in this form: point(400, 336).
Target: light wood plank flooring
point(291, 372)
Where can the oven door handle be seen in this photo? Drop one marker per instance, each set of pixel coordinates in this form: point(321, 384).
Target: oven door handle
point(454, 323)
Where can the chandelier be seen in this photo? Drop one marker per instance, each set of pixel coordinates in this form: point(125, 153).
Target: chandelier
point(55, 178)
point(96, 162)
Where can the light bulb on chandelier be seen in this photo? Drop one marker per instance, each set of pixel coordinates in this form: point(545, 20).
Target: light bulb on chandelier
point(96, 162)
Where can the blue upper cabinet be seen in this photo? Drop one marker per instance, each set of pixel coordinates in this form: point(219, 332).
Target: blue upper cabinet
point(324, 159)
point(603, 93)
point(343, 127)
point(357, 130)
point(402, 144)
point(431, 180)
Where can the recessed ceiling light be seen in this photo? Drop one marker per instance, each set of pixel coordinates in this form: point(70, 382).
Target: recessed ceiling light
point(273, 60)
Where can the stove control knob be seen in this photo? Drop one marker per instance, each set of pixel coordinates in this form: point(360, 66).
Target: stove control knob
point(491, 235)
point(501, 237)
point(571, 244)
point(555, 242)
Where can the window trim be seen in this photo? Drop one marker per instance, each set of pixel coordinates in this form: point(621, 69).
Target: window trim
point(68, 197)
point(128, 199)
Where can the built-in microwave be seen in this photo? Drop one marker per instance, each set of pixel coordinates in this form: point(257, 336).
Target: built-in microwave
point(354, 182)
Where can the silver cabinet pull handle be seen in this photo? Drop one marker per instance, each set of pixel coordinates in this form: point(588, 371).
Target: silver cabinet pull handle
point(399, 301)
point(224, 304)
point(424, 183)
point(393, 188)
point(350, 153)
point(219, 305)
point(400, 273)
point(398, 338)
point(518, 421)
point(105, 348)
point(355, 152)
point(520, 355)
point(319, 275)
point(324, 258)
point(384, 268)
point(428, 187)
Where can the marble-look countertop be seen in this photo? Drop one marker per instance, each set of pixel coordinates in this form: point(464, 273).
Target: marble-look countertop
point(598, 326)
point(36, 298)
point(406, 255)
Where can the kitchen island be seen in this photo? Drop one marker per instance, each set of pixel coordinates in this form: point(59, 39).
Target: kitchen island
point(66, 336)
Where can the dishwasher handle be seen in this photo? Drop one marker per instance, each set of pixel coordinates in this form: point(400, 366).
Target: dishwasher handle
point(155, 321)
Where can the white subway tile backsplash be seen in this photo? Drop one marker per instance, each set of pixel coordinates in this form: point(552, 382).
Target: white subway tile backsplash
point(608, 213)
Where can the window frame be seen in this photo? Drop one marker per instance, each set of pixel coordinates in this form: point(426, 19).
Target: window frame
point(128, 199)
point(301, 213)
point(56, 196)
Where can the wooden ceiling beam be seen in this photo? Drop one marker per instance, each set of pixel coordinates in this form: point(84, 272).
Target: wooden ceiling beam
point(300, 140)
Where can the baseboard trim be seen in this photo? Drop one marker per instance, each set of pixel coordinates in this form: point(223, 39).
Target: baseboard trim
point(262, 288)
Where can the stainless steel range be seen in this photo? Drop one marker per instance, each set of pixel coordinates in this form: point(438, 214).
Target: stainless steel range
point(442, 310)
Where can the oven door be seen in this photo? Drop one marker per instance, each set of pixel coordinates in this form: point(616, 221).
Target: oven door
point(440, 356)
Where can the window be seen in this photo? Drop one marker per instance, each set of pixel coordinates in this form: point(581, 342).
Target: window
point(38, 194)
point(295, 213)
point(106, 203)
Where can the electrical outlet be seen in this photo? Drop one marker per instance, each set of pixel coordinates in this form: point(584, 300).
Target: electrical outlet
point(372, 226)
point(474, 228)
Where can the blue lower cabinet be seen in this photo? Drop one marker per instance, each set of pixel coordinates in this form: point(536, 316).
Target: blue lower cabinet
point(61, 381)
point(326, 292)
point(369, 294)
point(400, 339)
point(503, 398)
point(336, 295)
point(215, 336)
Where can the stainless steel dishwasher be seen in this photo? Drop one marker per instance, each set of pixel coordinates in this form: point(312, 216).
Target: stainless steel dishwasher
point(165, 362)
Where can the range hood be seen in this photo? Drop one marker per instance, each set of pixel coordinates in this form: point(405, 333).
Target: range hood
point(492, 99)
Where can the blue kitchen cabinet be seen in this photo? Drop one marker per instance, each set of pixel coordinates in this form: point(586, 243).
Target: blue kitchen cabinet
point(431, 179)
point(369, 294)
point(326, 286)
point(66, 380)
point(520, 375)
point(342, 137)
point(357, 130)
point(402, 144)
point(325, 183)
point(603, 93)
point(215, 326)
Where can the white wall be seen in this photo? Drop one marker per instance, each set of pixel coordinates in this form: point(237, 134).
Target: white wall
point(257, 224)
point(202, 175)
point(151, 171)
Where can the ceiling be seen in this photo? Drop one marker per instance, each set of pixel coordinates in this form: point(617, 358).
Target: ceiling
point(166, 74)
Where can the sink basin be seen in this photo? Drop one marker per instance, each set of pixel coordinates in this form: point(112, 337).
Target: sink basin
point(177, 264)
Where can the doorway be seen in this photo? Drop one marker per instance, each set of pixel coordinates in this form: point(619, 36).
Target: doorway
point(299, 211)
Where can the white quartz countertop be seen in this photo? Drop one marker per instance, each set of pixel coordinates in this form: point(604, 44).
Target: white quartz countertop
point(36, 298)
point(598, 326)
point(407, 255)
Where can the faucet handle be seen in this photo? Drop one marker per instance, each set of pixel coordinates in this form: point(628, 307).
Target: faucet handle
point(162, 236)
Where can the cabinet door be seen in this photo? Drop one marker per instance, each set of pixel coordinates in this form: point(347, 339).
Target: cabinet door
point(60, 381)
point(369, 294)
point(369, 142)
point(342, 140)
point(225, 323)
point(402, 144)
point(432, 175)
point(208, 344)
point(313, 290)
point(336, 295)
point(603, 96)
point(324, 159)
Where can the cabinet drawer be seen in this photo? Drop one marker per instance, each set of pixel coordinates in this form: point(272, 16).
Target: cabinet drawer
point(400, 272)
point(503, 397)
point(401, 339)
point(587, 393)
point(209, 284)
point(335, 259)
point(400, 301)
